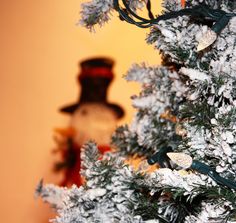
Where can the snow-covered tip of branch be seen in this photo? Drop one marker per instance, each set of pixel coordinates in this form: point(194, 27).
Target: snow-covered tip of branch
point(194, 74)
point(90, 151)
point(51, 194)
point(96, 12)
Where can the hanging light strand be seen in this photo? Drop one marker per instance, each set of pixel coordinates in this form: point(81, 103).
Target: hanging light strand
point(185, 161)
point(199, 12)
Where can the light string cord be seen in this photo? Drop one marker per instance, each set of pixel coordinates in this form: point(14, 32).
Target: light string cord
point(199, 12)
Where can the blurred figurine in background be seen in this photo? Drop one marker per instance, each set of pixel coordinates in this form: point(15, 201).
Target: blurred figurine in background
point(92, 117)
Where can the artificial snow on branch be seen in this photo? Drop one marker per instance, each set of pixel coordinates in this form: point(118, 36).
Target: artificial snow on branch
point(185, 117)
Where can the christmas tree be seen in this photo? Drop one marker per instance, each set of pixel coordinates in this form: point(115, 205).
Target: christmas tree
point(185, 124)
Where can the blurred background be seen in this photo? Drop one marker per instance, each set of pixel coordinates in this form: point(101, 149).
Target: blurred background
point(40, 50)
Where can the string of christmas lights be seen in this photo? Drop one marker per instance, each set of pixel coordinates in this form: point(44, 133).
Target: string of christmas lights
point(219, 17)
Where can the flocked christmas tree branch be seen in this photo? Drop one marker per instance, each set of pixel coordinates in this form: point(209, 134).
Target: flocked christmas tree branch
point(186, 106)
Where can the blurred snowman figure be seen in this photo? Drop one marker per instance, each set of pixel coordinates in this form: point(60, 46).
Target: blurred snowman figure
point(92, 117)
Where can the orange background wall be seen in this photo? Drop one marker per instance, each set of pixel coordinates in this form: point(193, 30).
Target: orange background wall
point(40, 49)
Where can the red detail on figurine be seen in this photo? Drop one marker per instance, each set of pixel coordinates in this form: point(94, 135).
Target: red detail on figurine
point(96, 72)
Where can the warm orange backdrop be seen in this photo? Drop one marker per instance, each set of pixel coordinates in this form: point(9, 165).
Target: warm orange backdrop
point(40, 49)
